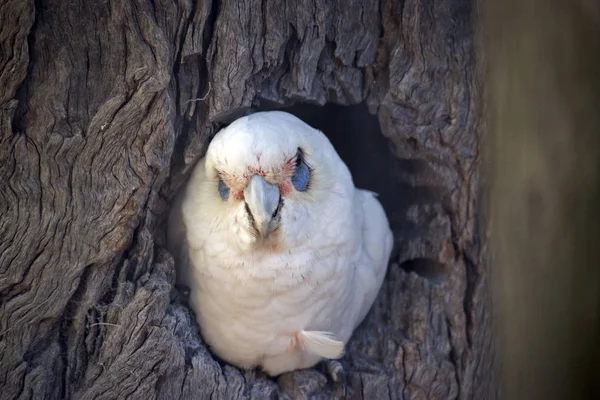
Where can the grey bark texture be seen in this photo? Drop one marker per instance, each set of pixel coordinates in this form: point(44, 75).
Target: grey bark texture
point(105, 106)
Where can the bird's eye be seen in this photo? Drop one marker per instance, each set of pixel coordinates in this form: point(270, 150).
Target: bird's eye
point(301, 175)
point(223, 189)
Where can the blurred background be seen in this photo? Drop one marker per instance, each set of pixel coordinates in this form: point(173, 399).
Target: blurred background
point(541, 72)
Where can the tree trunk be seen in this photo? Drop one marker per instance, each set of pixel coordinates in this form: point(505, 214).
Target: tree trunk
point(105, 108)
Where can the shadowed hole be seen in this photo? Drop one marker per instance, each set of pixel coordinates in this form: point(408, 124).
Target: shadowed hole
point(426, 268)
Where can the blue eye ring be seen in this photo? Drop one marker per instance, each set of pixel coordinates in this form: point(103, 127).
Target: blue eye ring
point(301, 176)
point(223, 189)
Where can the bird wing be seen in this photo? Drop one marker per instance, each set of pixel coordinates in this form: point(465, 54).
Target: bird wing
point(182, 227)
point(377, 242)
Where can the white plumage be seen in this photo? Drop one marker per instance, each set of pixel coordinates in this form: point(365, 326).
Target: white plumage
point(282, 254)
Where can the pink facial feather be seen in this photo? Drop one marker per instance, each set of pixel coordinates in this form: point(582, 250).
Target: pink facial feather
point(282, 177)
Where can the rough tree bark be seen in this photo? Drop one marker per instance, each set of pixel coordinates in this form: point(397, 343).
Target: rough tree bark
point(104, 109)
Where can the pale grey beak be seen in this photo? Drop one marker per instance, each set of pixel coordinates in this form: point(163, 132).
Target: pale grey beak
point(262, 199)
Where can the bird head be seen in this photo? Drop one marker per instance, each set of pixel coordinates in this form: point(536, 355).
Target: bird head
point(272, 180)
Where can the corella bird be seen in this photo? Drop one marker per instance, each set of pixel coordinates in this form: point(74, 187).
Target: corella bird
point(283, 256)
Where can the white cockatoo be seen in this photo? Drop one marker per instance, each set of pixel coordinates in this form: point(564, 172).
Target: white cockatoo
point(283, 256)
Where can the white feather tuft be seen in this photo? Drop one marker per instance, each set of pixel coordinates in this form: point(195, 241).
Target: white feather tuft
point(374, 194)
point(322, 344)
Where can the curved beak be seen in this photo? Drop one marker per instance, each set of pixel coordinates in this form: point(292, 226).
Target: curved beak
point(262, 199)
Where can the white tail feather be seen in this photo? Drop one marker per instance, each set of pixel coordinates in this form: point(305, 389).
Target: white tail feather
point(322, 344)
